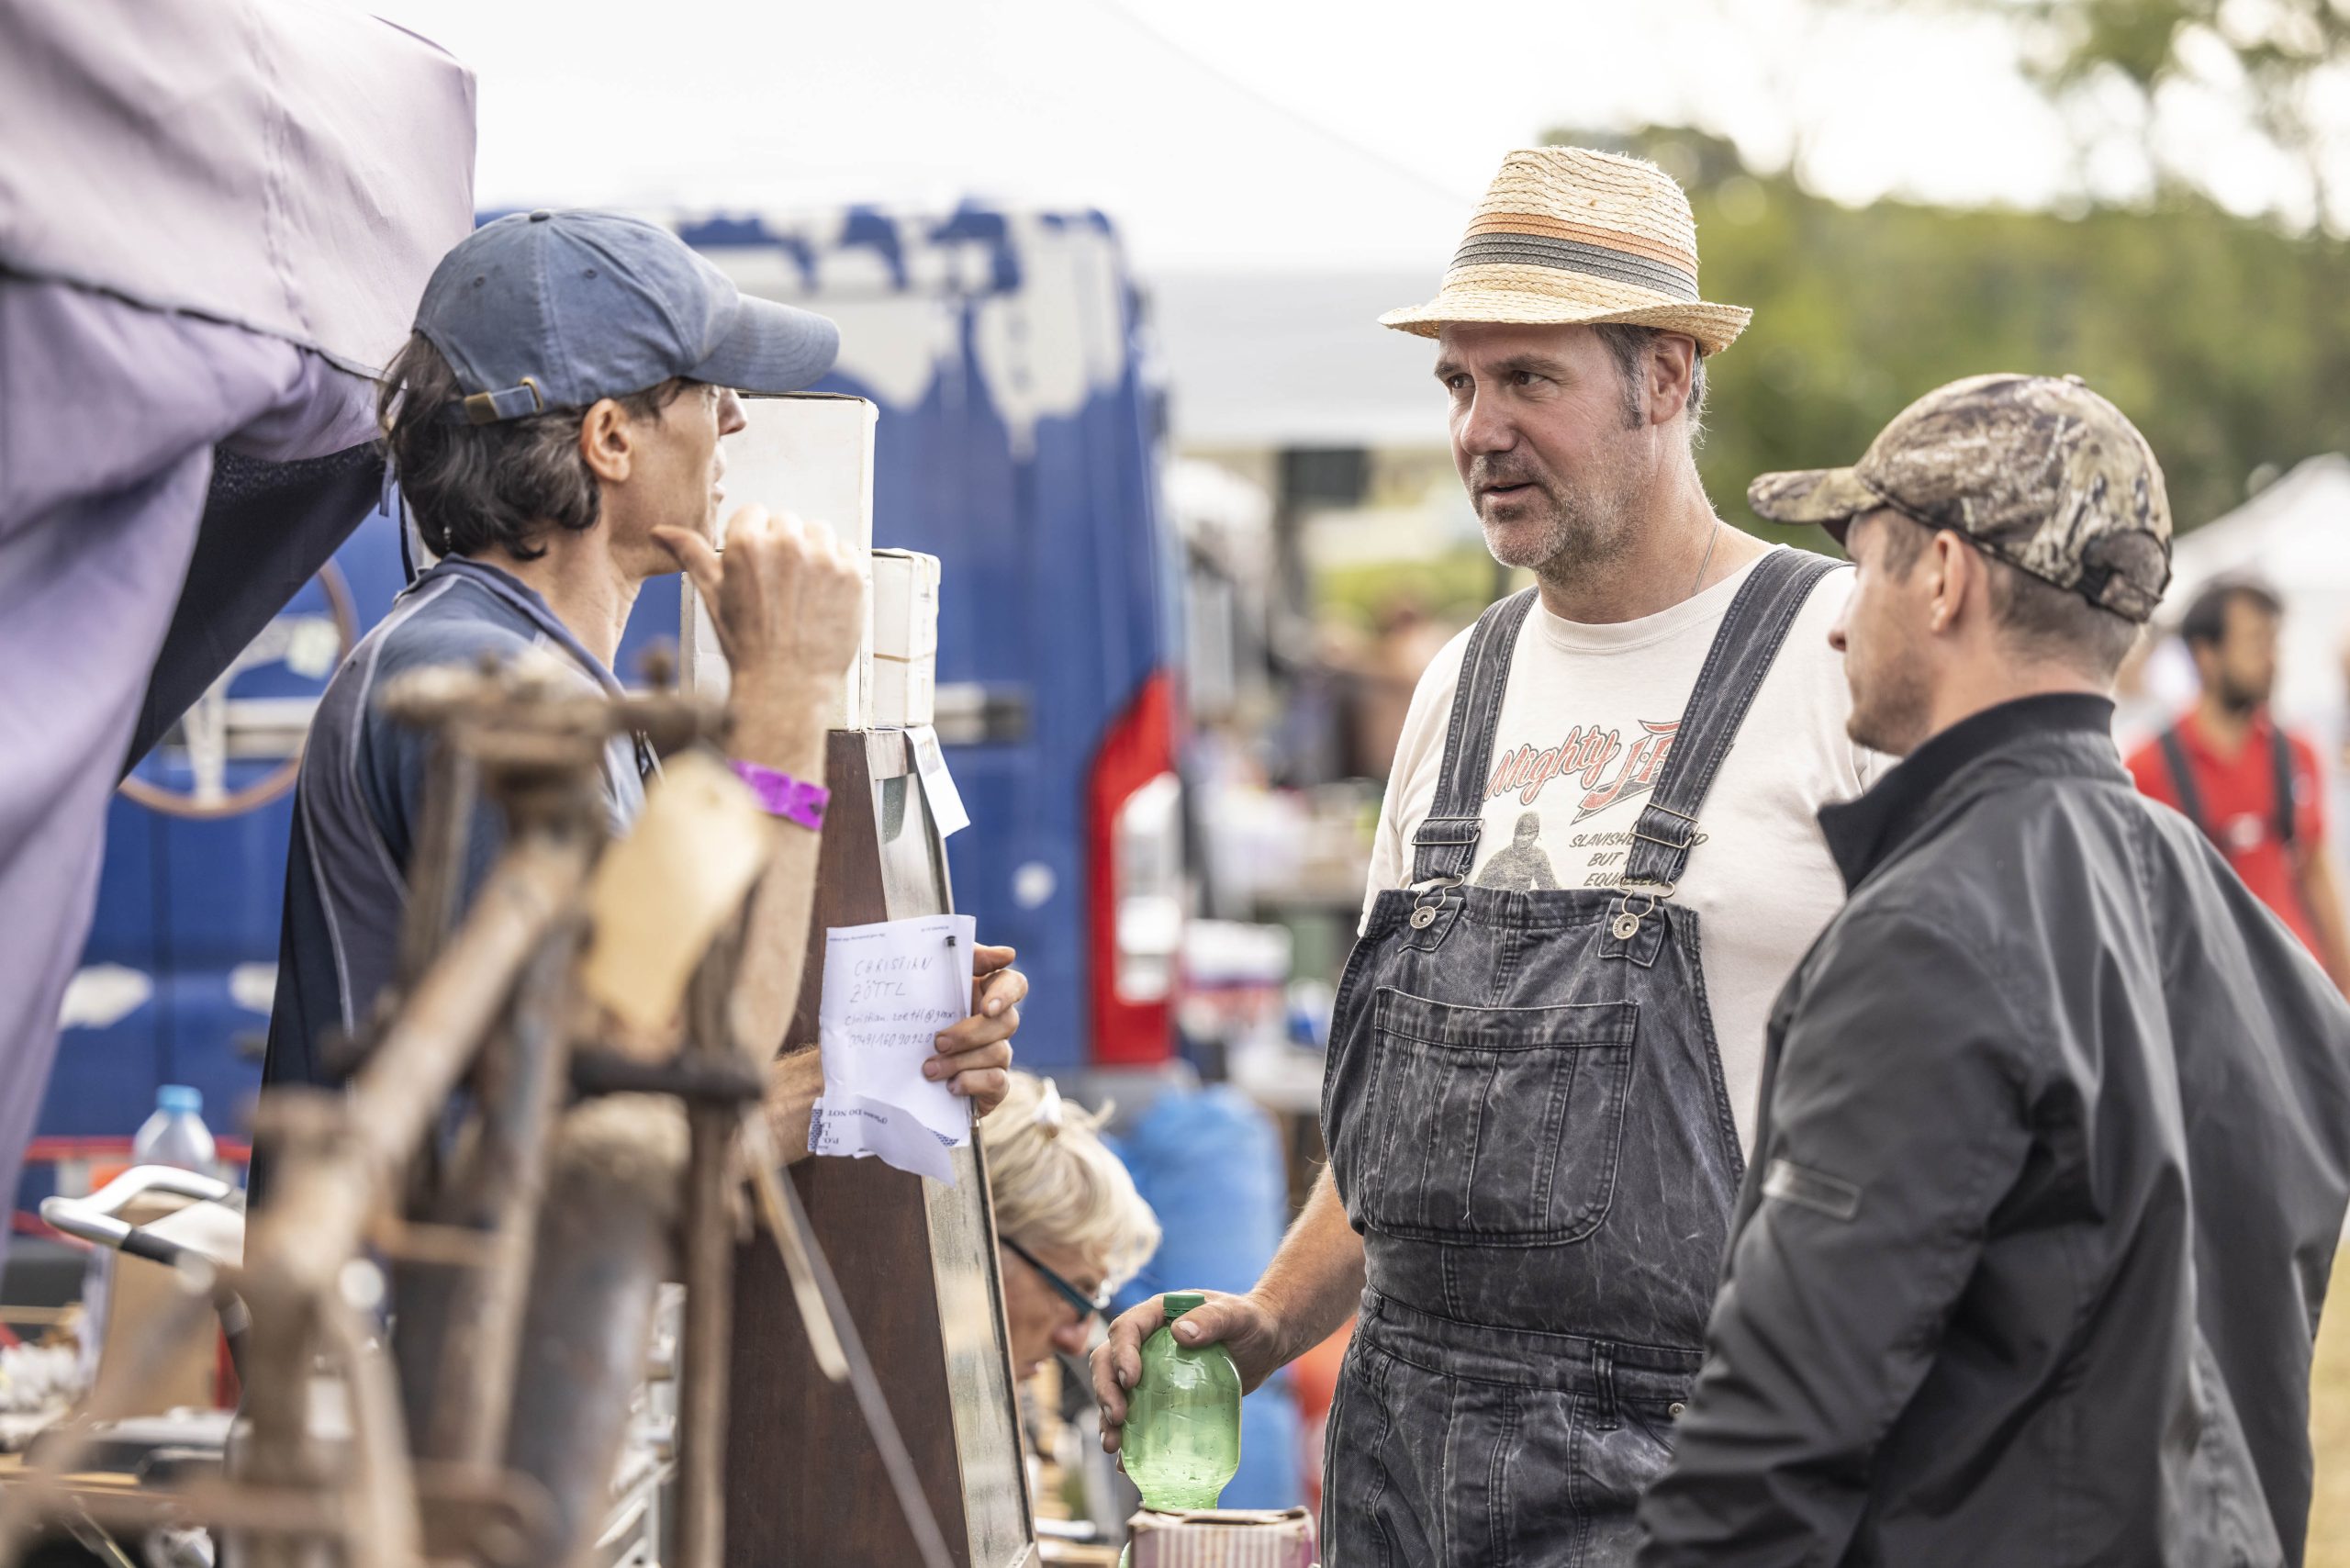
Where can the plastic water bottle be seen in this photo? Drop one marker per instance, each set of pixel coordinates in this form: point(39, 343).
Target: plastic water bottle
point(175, 1133)
point(1182, 1433)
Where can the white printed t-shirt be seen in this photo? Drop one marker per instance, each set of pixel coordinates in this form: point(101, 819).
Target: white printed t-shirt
point(1585, 728)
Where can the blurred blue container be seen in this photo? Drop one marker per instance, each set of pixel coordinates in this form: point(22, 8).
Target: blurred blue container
point(129, 890)
point(214, 1039)
point(222, 881)
point(110, 1056)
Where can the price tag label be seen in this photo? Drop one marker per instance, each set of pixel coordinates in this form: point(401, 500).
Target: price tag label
point(938, 783)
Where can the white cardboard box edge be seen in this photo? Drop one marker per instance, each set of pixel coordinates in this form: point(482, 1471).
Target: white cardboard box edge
point(803, 452)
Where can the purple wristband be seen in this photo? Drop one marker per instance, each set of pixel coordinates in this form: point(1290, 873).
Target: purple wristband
point(781, 795)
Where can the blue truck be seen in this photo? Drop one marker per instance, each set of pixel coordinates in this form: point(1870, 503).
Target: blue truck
point(1020, 443)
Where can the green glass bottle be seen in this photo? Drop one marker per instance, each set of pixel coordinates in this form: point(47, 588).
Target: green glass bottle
point(1183, 1432)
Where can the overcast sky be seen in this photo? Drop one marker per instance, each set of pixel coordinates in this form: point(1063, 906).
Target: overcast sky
point(1240, 135)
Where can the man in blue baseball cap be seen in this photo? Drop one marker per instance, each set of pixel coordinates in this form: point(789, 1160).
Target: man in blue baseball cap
point(555, 424)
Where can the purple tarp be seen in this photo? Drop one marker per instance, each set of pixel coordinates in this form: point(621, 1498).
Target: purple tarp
point(292, 166)
point(215, 217)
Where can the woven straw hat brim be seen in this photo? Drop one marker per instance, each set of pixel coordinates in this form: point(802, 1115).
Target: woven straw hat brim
point(1831, 498)
point(1715, 327)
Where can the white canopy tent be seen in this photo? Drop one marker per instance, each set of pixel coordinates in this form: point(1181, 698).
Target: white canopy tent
point(2294, 536)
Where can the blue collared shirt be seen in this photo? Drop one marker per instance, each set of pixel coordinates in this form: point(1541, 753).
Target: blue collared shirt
point(360, 803)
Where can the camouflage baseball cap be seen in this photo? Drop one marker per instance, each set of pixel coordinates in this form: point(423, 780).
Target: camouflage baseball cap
point(2038, 471)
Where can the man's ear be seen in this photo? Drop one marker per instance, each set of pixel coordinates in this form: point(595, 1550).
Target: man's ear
point(1672, 370)
point(1962, 581)
point(606, 441)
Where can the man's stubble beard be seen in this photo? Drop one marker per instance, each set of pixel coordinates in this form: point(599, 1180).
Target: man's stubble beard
point(2238, 698)
point(1889, 704)
point(1587, 526)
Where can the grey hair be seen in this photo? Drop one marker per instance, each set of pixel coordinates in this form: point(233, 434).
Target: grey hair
point(1631, 346)
point(1056, 1185)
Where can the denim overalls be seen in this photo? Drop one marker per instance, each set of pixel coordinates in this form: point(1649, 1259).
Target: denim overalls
point(1527, 1120)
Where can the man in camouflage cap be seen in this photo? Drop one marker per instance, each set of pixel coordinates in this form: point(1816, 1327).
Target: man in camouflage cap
point(2049, 485)
point(2036, 471)
point(2055, 1143)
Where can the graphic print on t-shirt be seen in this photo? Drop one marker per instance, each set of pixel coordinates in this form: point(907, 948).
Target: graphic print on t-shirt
point(1592, 768)
point(1522, 867)
point(1586, 727)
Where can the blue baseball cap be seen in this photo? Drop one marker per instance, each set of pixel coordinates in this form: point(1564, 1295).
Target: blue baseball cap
point(557, 310)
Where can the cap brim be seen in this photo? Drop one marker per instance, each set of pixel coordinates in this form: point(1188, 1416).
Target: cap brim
point(771, 348)
point(1831, 498)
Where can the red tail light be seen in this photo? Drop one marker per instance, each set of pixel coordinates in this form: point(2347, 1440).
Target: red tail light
point(1134, 828)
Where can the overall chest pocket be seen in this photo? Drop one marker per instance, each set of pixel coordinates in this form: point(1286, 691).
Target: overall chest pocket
point(1493, 1127)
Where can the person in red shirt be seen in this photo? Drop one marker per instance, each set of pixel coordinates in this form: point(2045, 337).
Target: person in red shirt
point(2253, 788)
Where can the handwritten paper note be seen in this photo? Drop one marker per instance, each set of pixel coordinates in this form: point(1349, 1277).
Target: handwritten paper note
point(891, 991)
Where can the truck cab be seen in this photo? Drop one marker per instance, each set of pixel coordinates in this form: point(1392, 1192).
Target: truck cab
point(1020, 443)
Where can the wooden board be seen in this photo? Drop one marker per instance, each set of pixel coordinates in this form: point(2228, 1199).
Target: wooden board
point(917, 1264)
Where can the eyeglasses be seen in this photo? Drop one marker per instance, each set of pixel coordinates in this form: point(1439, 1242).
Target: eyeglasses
point(1088, 1307)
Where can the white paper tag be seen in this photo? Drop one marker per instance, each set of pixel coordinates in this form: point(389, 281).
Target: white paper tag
point(890, 989)
point(937, 784)
point(851, 1125)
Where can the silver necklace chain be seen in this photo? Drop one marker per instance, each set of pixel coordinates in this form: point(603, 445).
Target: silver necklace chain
point(1711, 540)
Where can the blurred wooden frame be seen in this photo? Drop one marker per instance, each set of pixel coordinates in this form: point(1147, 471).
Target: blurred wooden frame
point(916, 1264)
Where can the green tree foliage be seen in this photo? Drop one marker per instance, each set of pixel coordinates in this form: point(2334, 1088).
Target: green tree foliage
point(2268, 53)
point(1453, 586)
point(2227, 341)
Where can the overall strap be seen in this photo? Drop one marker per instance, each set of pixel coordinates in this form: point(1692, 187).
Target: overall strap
point(1741, 655)
point(2280, 762)
point(2182, 780)
point(1445, 847)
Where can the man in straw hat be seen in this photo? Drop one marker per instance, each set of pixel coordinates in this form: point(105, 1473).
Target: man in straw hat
point(2055, 1144)
point(1596, 863)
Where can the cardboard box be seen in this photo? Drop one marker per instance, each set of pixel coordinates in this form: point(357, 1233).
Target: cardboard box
point(1222, 1537)
point(905, 638)
point(141, 1294)
point(810, 454)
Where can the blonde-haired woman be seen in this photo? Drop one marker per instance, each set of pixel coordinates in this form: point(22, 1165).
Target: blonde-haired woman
point(1070, 1227)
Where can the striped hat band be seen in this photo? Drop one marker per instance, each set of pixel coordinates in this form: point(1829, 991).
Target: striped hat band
point(1515, 239)
point(1571, 236)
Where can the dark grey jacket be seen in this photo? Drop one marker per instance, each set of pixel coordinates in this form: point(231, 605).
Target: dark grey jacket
point(2053, 1155)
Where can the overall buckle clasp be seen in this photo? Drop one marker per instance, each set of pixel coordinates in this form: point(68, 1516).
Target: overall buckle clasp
point(1427, 898)
point(1629, 917)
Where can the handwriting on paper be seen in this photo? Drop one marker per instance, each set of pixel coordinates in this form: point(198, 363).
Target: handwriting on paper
point(890, 989)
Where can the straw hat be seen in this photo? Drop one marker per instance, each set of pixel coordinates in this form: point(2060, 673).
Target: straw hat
point(1566, 236)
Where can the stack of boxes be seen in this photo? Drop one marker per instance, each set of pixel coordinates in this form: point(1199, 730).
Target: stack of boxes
point(905, 639)
point(809, 455)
